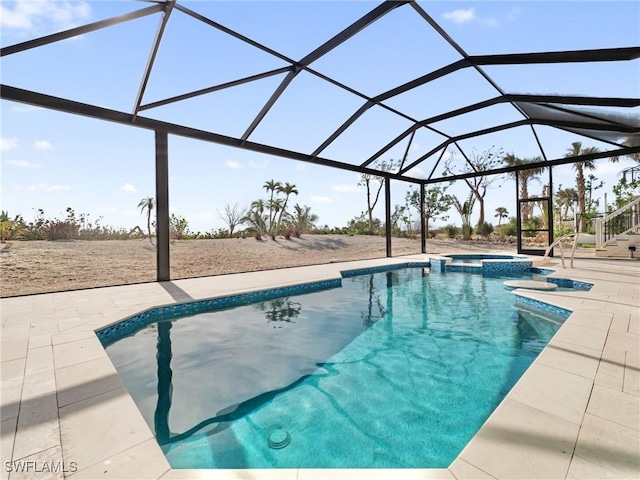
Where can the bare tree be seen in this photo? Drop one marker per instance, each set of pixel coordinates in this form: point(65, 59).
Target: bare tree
point(375, 183)
point(233, 216)
point(479, 162)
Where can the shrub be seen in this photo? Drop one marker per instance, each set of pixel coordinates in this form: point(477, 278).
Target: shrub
point(63, 230)
point(511, 228)
point(179, 226)
point(485, 229)
point(451, 231)
point(219, 234)
point(360, 226)
point(562, 231)
point(257, 235)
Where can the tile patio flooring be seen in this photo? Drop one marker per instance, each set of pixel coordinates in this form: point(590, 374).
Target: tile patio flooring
point(574, 414)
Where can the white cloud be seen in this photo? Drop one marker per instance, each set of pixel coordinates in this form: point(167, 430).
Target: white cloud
point(34, 15)
point(22, 164)
point(8, 143)
point(343, 188)
point(131, 213)
point(233, 164)
point(319, 199)
point(42, 145)
point(127, 187)
point(460, 15)
point(45, 187)
point(301, 166)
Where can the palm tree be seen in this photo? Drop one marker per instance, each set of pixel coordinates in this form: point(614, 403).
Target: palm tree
point(576, 150)
point(524, 177)
point(271, 186)
point(565, 198)
point(501, 213)
point(303, 218)
point(255, 217)
point(275, 206)
point(147, 203)
point(465, 209)
point(287, 189)
point(5, 226)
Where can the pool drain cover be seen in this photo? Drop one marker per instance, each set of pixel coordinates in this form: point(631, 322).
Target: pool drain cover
point(277, 437)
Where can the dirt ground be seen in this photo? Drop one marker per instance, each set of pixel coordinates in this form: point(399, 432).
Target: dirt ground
point(43, 266)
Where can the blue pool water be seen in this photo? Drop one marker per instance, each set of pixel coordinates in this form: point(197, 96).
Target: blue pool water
point(396, 369)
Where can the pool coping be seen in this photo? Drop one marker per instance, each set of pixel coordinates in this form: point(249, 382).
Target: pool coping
point(556, 427)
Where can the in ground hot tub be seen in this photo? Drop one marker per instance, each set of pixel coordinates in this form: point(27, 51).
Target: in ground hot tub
point(485, 263)
point(478, 257)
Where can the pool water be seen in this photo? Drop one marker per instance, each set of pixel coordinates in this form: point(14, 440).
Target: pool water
point(393, 370)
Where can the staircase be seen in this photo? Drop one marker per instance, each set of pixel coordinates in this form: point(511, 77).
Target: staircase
point(618, 234)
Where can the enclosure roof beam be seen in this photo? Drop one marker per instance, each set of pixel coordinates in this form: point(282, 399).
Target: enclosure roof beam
point(343, 127)
point(290, 61)
point(233, 33)
point(323, 49)
point(509, 97)
point(564, 99)
point(215, 88)
point(271, 102)
point(391, 144)
point(152, 56)
point(519, 123)
point(543, 164)
point(352, 30)
point(74, 32)
point(8, 92)
point(589, 116)
point(437, 163)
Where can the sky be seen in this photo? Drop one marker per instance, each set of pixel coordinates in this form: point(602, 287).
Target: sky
point(53, 160)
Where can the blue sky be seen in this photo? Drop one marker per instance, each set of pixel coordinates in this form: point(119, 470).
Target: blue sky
point(52, 160)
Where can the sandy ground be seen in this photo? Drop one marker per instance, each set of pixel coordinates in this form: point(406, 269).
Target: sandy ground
point(42, 266)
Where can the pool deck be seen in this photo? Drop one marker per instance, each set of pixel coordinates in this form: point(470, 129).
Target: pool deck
point(574, 414)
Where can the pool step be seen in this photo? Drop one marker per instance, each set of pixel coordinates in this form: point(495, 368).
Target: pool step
point(530, 285)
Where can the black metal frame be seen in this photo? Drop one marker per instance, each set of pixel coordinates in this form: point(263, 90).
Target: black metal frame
point(550, 227)
point(591, 122)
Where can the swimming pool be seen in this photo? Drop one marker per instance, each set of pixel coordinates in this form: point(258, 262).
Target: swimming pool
point(394, 369)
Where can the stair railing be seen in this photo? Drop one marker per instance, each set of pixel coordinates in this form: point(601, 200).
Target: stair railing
point(622, 221)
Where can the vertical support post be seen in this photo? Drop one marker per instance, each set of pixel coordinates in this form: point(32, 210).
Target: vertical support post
point(387, 203)
point(550, 233)
point(423, 230)
point(162, 207)
point(518, 215)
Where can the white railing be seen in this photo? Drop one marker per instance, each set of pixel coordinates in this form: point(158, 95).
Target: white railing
point(604, 226)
